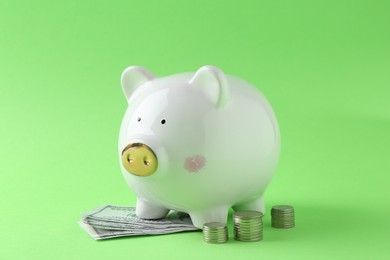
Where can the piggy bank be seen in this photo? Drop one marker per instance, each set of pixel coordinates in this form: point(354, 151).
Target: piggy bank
point(199, 142)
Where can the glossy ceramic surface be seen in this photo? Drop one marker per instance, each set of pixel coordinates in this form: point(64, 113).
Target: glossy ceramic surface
point(212, 139)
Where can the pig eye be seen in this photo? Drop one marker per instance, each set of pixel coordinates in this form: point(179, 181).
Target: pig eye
point(139, 119)
point(163, 121)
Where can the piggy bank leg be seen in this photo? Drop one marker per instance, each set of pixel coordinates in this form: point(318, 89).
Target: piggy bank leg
point(256, 204)
point(217, 214)
point(148, 210)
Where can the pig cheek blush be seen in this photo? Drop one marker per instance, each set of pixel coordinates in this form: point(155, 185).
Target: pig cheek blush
point(194, 164)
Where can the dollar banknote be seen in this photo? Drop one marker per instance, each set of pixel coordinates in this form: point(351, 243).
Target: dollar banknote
point(111, 221)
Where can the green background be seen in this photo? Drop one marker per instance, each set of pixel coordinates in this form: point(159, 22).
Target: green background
point(324, 66)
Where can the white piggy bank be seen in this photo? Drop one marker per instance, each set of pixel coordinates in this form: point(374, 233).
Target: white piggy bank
point(198, 142)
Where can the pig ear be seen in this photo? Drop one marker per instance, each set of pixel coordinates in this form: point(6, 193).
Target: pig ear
point(212, 82)
point(133, 77)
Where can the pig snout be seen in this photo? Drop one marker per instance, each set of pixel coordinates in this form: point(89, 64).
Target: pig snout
point(139, 159)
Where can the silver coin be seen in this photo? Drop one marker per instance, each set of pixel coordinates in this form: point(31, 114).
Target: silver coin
point(214, 225)
point(282, 215)
point(248, 229)
point(282, 207)
point(248, 239)
point(247, 223)
point(247, 214)
point(284, 226)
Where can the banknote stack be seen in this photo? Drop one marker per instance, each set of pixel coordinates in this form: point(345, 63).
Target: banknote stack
point(114, 221)
point(282, 216)
point(248, 225)
point(215, 233)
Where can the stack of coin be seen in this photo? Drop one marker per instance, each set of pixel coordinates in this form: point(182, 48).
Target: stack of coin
point(282, 216)
point(248, 225)
point(215, 232)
